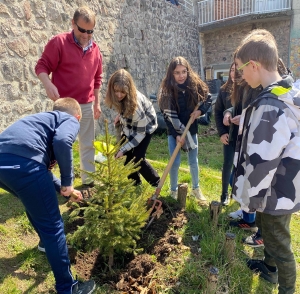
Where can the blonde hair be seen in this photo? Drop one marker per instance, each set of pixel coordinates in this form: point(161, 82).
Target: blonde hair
point(68, 105)
point(122, 81)
point(260, 47)
point(86, 14)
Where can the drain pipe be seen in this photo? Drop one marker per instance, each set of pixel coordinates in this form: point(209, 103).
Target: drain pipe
point(201, 62)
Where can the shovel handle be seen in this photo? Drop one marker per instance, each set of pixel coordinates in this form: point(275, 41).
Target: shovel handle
point(174, 154)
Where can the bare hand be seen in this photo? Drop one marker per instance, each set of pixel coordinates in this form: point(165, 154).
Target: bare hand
point(119, 154)
point(227, 119)
point(66, 191)
point(180, 140)
point(97, 110)
point(117, 119)
point(51, 91)
point(224, 139)
point(76, 196)
point(195, 115)
point(236, 120)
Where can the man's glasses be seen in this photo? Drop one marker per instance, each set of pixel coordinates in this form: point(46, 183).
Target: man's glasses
point(81, 30)
point(177, 73)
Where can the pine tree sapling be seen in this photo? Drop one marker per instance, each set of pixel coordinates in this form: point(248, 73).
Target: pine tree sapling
point(117, 212)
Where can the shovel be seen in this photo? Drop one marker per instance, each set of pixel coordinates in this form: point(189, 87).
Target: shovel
point(157, 204)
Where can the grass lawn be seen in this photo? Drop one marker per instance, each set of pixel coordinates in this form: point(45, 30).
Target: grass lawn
point(23, 269)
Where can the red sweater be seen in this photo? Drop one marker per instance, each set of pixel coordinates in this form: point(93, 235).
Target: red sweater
point(74, 73)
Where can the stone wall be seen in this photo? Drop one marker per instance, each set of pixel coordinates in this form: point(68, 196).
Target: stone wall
point(139, 35)
point(219, 45)
point(295, 40)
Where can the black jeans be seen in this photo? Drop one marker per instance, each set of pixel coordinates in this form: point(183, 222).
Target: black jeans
point(146, 169)
point(228, 153)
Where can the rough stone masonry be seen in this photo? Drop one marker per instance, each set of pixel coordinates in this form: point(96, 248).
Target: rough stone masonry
point(139, 35)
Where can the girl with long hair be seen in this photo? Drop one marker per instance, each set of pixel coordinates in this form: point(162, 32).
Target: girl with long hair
point(227, 137)
point(138, 121)
point(180, 91)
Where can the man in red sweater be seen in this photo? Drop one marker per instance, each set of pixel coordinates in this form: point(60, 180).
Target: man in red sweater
point(75, 62)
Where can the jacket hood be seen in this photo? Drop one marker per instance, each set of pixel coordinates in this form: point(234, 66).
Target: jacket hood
point(288, 92)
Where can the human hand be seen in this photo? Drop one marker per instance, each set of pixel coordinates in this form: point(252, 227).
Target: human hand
point(76, 196)
point(51, 90)
point(195, 115)
point(117, 119)
point(119, 154)
point(227, 119)
point(69, 191)
point(97, 110)
point(236, 120)
point(180, 140)
point(224, 139)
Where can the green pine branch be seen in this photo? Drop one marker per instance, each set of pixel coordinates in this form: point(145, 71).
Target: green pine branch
point(117, 212)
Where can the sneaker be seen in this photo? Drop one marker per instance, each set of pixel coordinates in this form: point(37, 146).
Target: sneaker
point(174, 194)
point(41, 247)
point(197, 193)
point(225, 199)
point(236, 214)
point(241, 224)
point(260, 267)
point(87, 287)
point(254, 240)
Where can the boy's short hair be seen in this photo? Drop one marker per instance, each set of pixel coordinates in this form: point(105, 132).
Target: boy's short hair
point(68, 105)
point(261, 48)
point(86, 14)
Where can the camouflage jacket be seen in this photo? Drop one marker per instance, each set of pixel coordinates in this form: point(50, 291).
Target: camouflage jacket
point(267, 158)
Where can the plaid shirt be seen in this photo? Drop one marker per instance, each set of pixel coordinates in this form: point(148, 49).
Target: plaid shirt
point(143, 121)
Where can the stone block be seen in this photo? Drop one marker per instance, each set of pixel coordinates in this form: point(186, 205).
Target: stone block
point(19, 46)
point(27, 10)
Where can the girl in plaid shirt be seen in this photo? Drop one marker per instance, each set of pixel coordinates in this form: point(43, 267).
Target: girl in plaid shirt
point(138, 120)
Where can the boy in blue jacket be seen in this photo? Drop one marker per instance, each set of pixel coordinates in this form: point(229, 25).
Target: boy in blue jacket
point(28, 148)
point(267, 160)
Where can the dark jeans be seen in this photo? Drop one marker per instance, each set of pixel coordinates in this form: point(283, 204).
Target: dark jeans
point(33, 185)
point(146, 169)
point(275, 230)
point(228, 153)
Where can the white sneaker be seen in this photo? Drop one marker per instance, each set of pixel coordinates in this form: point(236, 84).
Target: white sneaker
point(236, 214)
point(198, 194)
point(174, 194)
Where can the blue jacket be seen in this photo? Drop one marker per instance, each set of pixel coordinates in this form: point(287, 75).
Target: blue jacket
point(44, 137)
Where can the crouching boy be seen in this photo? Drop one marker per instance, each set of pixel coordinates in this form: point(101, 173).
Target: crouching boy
point(267, 160)
point(27, 149)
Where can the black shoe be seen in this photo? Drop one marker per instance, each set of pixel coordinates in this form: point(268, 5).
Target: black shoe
point(224, 199)
point(41, 247)
point(87, 287)
point(260, 267)
point(241, 224)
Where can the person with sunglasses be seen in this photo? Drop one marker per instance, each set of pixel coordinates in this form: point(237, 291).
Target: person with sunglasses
point(75, 62)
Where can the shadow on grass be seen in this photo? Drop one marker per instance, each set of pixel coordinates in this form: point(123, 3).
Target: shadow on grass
point(208, 251)
point(24, 267)
point(10, 207)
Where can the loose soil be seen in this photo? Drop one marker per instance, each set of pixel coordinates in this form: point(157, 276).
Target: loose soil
point(133, 274)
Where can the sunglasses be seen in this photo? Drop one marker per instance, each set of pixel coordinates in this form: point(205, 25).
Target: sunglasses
point(81, 30)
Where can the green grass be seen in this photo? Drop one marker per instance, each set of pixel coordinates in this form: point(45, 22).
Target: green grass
point(24, 270)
